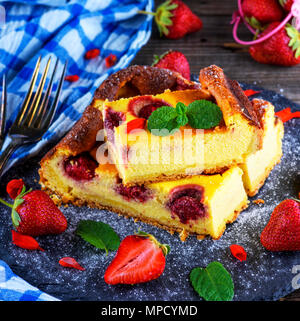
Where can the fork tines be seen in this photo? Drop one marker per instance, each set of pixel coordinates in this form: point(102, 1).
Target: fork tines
point(35, 111)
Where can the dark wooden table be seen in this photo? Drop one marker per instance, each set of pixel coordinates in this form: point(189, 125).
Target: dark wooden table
point(214, 45)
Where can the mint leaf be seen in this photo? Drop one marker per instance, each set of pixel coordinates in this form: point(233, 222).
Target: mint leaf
point(162, 121)
point(203, 114)
point(98, 234)
point(182, 120)
point(213, 283)
point(181, 108)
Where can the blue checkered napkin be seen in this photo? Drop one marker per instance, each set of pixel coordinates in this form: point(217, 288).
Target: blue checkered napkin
point(13, 288)
point(67, 29)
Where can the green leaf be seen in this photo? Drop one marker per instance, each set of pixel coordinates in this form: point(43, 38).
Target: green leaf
point(182, 120)
point(213, 283)
point(203, 114)
point(294, 35)
point(163, 121)
point(181, 108)
point(98, 234)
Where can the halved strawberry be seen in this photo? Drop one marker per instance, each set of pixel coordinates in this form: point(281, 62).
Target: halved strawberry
point(140, 258)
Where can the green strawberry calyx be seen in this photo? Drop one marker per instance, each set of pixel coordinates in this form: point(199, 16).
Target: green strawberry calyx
point(282, 2)
point(164, 247)
point(17, 202)
point(294, 35)
point(163, 16)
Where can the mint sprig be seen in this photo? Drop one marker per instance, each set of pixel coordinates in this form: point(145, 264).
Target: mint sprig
point(200, 114)
point(213, 283)
point(99, 234)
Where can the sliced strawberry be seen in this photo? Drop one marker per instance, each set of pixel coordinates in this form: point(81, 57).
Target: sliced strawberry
point(140, 258)
point(137, 123)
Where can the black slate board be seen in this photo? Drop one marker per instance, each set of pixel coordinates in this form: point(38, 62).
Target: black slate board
point(264, 276)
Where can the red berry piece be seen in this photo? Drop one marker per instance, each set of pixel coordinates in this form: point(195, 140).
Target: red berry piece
point(137, 193)
point(143, 106)
point(81, 167)
point(25, 241)
point(110, 60)
point(70, 262)
point(14, 187)
point(186, 202)
point(138, 123)
point(238, 252)
point(91, 54)
point(72, 78)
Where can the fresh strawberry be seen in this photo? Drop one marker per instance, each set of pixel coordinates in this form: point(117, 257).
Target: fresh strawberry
point(140, 258)
point(175, 19)
point(283, 48)
point(286, 4)
point(282, 232)
point(263, 11)
point(175, 61)
point(34, 213)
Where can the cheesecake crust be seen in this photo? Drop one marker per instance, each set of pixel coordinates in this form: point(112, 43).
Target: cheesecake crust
point(229, 95)
point(142, 80)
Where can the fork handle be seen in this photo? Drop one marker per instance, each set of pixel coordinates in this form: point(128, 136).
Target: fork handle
point(11, 147)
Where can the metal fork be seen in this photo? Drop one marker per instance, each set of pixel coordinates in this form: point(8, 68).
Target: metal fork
point(35, 115)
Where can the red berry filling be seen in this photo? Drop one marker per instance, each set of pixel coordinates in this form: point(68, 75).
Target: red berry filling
point(186, 202)
point(143, 107)
point(81, 167)
point(112, 119)
point(137, 193)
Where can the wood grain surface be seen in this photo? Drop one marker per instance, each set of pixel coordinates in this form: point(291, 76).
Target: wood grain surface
point(214, 44)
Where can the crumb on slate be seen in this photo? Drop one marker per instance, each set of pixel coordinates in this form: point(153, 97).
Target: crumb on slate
point(259, 201)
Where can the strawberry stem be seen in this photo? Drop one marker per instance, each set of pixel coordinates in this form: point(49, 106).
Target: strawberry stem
point(5, 203)
point(147, 12)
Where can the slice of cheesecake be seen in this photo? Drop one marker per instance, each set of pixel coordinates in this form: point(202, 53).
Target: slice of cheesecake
point(140, 156)
point(200, 205)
